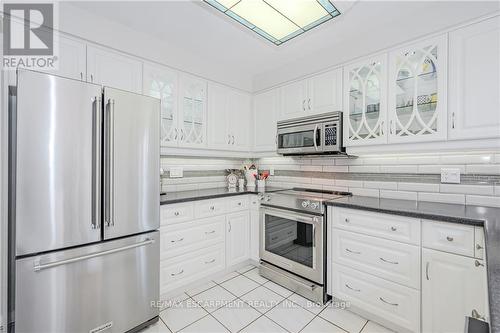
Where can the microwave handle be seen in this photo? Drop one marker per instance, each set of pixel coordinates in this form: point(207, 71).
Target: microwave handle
point(315, 137)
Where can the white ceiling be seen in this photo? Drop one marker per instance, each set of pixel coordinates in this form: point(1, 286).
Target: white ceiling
point(363, 27)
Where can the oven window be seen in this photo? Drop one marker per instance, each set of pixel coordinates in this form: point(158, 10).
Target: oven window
point(289, 239)
point(296, 139)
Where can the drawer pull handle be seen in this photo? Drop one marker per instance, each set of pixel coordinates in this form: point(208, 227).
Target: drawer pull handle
point(209, 232)
point(351, 251)
point(478, 263)
point(176, 213)
point(478, 247)
point(356, 290)
point(210, 261)
point(178, 240)
point(449, 238)
point(179, 273)
point(346, 220)
point(383, 300)
point(389, 262)
point(394, 228)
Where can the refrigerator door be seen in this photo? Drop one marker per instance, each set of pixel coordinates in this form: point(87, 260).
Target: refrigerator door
point(110, 287)
point(132, 163)
point(57, 152)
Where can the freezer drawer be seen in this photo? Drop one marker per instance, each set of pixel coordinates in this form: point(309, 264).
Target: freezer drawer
point(108, 287)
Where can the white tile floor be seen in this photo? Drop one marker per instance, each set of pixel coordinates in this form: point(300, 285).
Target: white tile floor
point(243, 301)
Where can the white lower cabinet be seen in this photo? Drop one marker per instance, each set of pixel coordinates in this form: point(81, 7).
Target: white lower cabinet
point(203, 238)
point(410, 282)
point(237, 238)
point(254, 228)
point(453, 287)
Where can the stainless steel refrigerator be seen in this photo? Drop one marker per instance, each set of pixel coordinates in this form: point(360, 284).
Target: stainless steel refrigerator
point(84, 206)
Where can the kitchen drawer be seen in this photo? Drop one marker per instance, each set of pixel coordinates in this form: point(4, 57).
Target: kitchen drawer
point(235, 204)
point(479, 242)
point(254, 201)
point(448, 237)
point(175, 240)
point(390, 302)
point(176, 213)
point(387, 259)
point(207, 208)
point(394, 227)
point(182, 270)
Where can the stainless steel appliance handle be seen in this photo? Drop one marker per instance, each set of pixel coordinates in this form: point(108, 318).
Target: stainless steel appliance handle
point(109, 183)
point(306, 218)
point(96, 162)
point(314, 137)
point(38, 267)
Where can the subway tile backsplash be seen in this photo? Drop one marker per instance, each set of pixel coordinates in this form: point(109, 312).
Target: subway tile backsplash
point(411, 176)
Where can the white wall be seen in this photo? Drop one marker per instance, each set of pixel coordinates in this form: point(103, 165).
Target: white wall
point(84, 24)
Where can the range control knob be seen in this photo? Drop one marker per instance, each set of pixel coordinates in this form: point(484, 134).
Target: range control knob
point(306, 203)
point(314, 205)
point(267, 198)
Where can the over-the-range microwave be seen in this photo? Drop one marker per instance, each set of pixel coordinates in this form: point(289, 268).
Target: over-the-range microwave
point(311, 135)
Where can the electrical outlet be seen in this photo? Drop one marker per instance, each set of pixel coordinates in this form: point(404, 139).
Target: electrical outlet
point(271, 171)
point(176, 172)
point(450, 175)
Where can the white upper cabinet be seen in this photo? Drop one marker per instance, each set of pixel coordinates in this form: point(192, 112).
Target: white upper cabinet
point(417, 92)
point(113, 69)
point(365, 102)
point(265, 115)
point(192, 111)
point(229, 114)
point(162, 83)
point(71, 59)
point(474, 81)
point(318, 94)
point(294, 99)
point(325, 92)
point(240, 109)
point(453, 287)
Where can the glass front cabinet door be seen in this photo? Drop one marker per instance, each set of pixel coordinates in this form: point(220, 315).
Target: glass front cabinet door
point(417, 92)
point(162, 83)
point(193, 111)
point(365, 102)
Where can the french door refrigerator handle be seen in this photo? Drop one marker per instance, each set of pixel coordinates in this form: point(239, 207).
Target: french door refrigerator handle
point(108, 162)
point(112, 165)
point(38, 267)
point(96, 162)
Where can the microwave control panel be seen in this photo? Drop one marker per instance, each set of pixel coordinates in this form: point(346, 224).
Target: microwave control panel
point(330, 134)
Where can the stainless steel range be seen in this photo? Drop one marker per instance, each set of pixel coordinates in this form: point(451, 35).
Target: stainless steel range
point(293, 239)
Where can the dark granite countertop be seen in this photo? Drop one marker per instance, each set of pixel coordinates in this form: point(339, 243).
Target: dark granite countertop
point(212, 193)
point(489, 217)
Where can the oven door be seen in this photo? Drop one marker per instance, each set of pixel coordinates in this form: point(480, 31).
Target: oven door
point(303, 139)
point(292, 241)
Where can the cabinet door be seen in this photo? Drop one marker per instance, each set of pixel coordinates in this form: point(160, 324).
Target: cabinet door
point(72, 57)
point(365, 117)
point(452, 287)
point(254, 234)
point(162, 83)
point(265, 113)
point(218, 122)
point(417, 92)
point(239, 110)
point(113, 69)
point(475, 81)
point(325, 92)
point(237, 238)
point(294, 100)
point(192, 111)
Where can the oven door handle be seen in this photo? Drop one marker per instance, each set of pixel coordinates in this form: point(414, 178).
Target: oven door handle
point(315, 137)
point(310, 219)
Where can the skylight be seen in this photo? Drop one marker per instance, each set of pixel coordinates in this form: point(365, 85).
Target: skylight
point(277, 20)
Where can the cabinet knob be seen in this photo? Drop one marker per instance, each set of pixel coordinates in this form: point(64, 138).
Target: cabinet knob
point(449, 238)
point(478, 247)
point(346, 220)
point(394, 228)
point(212, 208)
point(478, 263)
point(239, 203)
point(176, 213)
